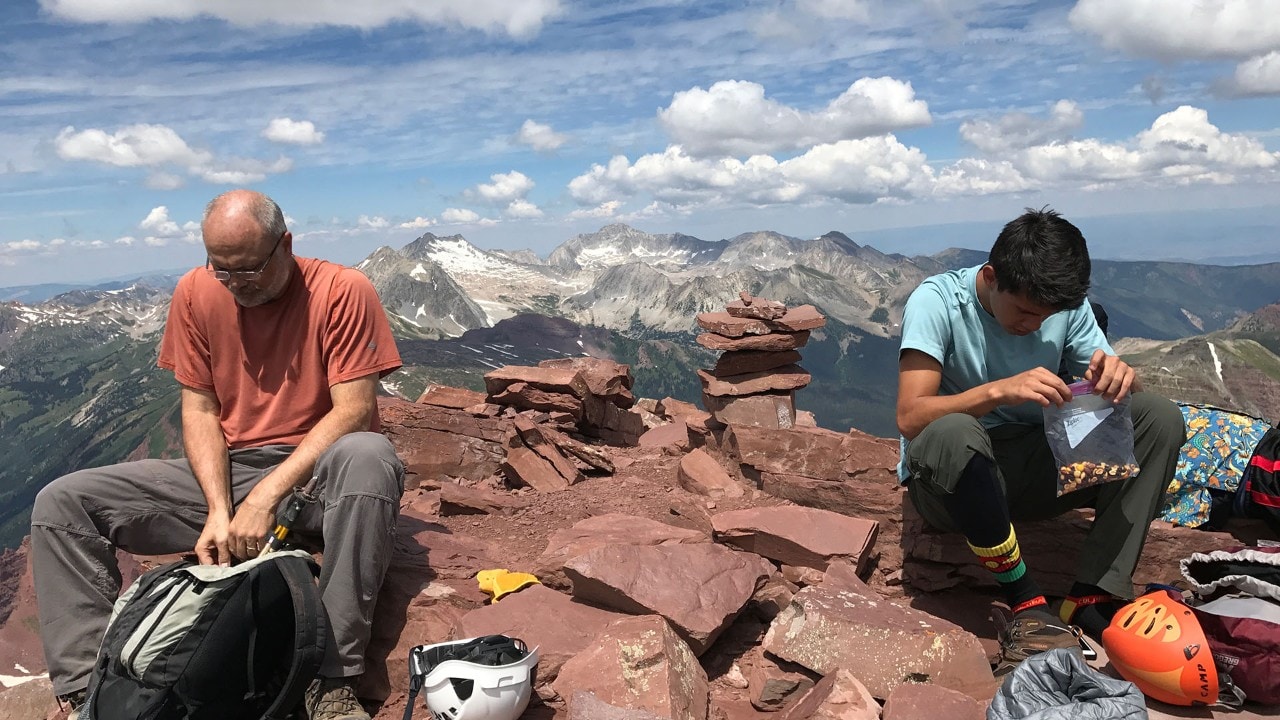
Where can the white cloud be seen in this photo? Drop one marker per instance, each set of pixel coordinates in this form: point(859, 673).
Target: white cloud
point(1182, 29)
point(1258, 76)
point(734, 117)
point(131, 146)
point(292, 132)
point(856, 171)
point(1181, 146)
point(417, 223)
point(126, 241)
point(505, 187)
point(459, 216)
point(157, 221)
point(606, 209)
point(20, 247)
point(158, 146)
point(1018, 130)
point(377, 222)
point(165, 181)
point(522, 210)
point(975, 176)
point(539, 137)
point(835, 9)
point(518, 19)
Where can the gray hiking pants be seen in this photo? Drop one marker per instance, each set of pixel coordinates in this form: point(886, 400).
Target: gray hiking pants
point(156, 507)
point(1028, 474)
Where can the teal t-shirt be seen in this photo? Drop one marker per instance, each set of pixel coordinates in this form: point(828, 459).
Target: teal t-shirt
point(944, 320)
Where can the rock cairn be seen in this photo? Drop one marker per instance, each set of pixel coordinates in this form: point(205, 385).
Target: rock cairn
point(755, 379)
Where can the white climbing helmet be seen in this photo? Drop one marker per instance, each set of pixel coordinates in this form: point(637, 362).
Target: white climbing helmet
point(481, 678)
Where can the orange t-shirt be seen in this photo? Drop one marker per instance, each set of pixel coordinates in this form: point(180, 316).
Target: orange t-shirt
point(271, 366)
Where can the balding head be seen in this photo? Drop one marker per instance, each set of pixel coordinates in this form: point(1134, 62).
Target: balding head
point(241, 220)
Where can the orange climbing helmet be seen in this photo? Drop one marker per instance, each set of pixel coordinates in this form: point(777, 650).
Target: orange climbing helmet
point(1157, 644)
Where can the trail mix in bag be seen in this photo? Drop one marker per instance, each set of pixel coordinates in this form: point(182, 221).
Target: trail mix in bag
point(1091, 438)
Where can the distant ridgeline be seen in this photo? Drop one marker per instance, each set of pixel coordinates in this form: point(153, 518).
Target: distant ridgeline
point(79, 385)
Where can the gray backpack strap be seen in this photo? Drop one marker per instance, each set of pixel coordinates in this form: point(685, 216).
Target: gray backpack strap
point(311, 631)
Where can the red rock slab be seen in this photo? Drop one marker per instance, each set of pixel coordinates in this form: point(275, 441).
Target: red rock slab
point(458, 499)
point(638, 663)
point(692, 415)
point(775, 684)
point(838, 696)
point(450, 397)
point(551, 621)
point(674, 435)
point(700, 588)
point(775, 411)
point(699, 473)
point(535, 438)
point(881, 643)
point(804, 317)
point(783, 379)
point(795, 535)
point(556, 380)
point(526, 467)
point(723, 323)
point(524, 396)
point(739, 362)
point(601, 530)
point(808, 452)
point(604, 377)
point(753, 307)
point(925, 701)
point(399, 416)
point(584, 705)
point(773, 341)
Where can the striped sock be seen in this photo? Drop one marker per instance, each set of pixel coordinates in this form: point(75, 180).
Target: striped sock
point(1005, 562)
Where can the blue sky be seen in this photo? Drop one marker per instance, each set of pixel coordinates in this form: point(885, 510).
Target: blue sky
point(521, 123)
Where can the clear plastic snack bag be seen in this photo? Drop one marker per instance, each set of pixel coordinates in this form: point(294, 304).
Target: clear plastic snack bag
point(1091, 438)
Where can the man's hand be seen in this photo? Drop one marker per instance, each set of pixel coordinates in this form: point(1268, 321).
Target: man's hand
point(249, 528)
point(1112, 377)
point(1037, 385)
point(211, 548)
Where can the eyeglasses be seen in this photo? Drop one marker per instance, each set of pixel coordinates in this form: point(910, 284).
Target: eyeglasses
point(247, 276)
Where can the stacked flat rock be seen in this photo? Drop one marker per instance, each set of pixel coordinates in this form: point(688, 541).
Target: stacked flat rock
point(754, 381)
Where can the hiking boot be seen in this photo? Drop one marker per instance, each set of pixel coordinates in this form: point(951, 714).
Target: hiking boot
point(72, 703)
point(1028, 633)
point(333, 699)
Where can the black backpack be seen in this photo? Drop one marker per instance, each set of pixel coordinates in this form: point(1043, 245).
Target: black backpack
point(1259, 492)
point(202, 642)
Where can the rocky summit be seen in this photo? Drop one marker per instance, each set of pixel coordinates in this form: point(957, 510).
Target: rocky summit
point(693, 565)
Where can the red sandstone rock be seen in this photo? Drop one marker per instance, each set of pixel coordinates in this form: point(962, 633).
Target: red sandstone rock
point(796, 535)
point(753, 307)
point(699, 473)
point(739, 362)
point(785, 378)
point(809, 452)
point(450, 397)
point(722, 323)
point(804, 317)
point(766, 411)
point(926, 701)
point(604, 377)
point(775, 683)
point(599, 531)
point(773, 341)
point(526, 467)
point(639, 663)
point(673, 435)
point(524, 396)
point(838, 696)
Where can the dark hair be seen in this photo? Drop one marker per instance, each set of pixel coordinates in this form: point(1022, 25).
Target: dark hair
point(1043, 257)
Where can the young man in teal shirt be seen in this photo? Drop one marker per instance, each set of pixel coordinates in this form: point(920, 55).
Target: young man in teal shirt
point(981, 348)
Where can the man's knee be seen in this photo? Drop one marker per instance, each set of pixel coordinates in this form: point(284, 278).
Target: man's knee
point(954, 428)
point(61, 502)
point(1158, 418)
point(368, 464)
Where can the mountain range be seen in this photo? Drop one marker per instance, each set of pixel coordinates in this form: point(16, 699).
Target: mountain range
point(78, 385)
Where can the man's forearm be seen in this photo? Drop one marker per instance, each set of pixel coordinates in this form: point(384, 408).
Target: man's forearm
point(206, 450)
point(976, 401)
point(298, 467)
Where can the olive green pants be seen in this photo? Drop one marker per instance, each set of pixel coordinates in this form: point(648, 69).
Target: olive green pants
point(1028, 475)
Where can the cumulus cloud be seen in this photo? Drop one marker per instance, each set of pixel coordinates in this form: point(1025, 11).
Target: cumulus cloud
point(159, 147)
point(376, 222)
point(292, 132)
point(1018, 130)
point(734, 117)
point(1182, 29)
point(606, 209)
point(522, 210)
point(459, 216)
point(835, 9)
point(131, 146)
point(417, 223)
point(505, 187)
point(856, 171)
point(1258, 76)
point(539, 137)
point(1181, 147)
point(518, 19)
point(161, 229)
